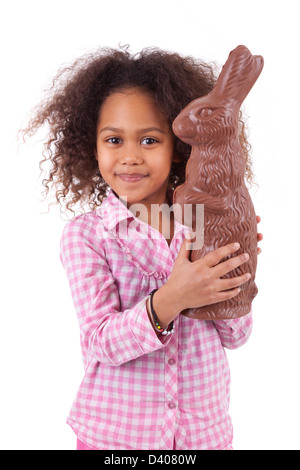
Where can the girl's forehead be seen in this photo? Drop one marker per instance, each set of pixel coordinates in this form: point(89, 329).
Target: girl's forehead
point(128, 95)
point(132, 104)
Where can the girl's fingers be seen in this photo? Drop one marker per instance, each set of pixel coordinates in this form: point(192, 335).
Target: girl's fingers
point(185, 248)
point(230, 264)
point(226, 295)
point(214, 257)
point(234, 282)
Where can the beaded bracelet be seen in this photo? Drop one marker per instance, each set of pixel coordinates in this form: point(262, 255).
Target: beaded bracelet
point(164, 331)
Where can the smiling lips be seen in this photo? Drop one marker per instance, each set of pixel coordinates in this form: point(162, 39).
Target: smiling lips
point(131, 178)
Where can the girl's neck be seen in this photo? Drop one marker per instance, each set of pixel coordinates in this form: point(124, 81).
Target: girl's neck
point(159, 216)
point(162, 219)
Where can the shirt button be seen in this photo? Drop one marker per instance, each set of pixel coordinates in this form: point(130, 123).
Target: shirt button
point(171, 362)
point(172, 405)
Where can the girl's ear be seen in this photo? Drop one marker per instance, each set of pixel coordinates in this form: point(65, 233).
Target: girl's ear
point(176, 157)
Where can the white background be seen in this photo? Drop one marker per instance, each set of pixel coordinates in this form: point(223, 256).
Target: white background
point(39, 338)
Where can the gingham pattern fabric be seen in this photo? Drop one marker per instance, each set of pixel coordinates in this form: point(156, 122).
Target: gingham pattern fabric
point(140, 391)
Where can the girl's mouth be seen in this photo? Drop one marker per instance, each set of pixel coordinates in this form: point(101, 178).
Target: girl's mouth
point(131, 178)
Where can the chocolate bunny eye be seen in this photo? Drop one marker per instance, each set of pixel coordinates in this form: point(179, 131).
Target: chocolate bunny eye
point(205, 112)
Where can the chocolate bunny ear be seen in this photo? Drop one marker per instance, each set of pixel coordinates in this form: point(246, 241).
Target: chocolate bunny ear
point(238, 74)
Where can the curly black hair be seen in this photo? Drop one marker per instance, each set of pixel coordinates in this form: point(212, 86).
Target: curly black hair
point(72, 105)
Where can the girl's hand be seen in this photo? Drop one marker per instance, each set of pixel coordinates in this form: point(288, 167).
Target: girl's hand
point(259, 235)
point(199, 283)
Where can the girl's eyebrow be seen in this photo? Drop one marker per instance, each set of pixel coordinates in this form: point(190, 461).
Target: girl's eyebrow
point(116, 129)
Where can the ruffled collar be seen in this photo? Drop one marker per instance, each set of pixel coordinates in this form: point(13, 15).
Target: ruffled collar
point(144, 246)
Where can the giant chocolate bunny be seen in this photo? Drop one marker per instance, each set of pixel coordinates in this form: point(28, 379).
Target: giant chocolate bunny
point(215, 176)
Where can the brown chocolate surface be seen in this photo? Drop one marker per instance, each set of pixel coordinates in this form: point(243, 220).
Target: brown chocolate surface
point(215, 176)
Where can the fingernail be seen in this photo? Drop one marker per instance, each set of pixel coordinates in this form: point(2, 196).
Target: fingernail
point(236, 245)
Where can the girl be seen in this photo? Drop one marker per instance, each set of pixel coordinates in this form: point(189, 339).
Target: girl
point(154, 379)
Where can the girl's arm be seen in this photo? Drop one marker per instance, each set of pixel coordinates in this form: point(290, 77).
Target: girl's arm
point(110, 335)
point(198, 283)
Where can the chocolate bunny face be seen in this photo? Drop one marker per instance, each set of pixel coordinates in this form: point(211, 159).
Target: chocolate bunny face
point(206, 121)
point(215, 177)
point(214, 117)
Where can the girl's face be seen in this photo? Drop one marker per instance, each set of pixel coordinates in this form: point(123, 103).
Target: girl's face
point(134, 147)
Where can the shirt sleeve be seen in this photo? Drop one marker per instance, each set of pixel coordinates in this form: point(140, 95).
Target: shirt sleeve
point(234, 332)
point(110, 335)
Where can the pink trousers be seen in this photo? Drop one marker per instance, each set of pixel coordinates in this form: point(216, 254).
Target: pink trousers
point(82, 446)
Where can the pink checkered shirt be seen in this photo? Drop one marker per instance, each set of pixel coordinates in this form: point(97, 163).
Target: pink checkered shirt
point(140, 391)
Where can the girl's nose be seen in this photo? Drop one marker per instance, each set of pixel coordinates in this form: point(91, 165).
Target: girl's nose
point(131, 156)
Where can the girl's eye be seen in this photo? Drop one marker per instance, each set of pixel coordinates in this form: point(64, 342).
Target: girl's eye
point(149, 141)
point(114, 140)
